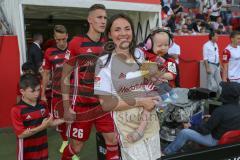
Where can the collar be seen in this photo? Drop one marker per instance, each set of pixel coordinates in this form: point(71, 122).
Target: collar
point(37, 44)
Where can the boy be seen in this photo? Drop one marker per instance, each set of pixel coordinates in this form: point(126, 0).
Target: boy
point(27, 67)
point(30, 120)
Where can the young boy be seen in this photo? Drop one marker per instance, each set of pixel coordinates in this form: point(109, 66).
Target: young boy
point(30, 120)
point(27, 68)
point(161, 70)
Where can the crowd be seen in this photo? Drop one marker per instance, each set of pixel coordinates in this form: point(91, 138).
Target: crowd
point(208, 15)
point(103, 78)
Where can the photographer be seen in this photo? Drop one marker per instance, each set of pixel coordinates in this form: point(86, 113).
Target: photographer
point(224, 118)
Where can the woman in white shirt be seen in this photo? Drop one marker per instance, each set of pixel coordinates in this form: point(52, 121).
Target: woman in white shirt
point(121, 90)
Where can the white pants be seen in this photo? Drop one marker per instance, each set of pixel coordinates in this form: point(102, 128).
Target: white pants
point(149, 149)
point(214, 78)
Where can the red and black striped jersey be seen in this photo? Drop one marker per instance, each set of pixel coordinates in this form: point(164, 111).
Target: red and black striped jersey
point(170, 64)
point(54, 59)
point(25, 116)
point(84, 54)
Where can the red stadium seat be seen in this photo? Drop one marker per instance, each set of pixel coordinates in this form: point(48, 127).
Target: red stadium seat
point(230, 137)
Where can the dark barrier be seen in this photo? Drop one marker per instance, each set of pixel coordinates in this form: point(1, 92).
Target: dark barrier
point(223, 152)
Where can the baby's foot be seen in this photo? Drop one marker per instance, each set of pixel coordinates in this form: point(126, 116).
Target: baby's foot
point(134, 136)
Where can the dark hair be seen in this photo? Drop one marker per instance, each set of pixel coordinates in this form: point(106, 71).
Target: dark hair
point(60, 29)
point(212, 34)
point(29, 80)
point(234, 34)
point(95, 7)
point(132, 45)
point(28, 67)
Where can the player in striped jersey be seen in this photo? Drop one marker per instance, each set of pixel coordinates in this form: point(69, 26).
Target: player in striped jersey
point(53, 61)
point(85, 50)
point(30, 120)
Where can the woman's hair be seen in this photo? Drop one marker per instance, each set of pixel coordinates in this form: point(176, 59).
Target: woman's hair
point(110, 46)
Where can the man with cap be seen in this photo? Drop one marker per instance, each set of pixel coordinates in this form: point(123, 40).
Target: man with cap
point(223, 119)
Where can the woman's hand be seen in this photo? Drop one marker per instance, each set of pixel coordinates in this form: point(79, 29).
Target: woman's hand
point(147, 103)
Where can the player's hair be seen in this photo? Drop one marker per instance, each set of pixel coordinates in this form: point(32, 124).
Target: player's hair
point(60, 29)
point(29, 80)
point(212, 34)
point(95, 7)
point(28, 67)
point(234, 34)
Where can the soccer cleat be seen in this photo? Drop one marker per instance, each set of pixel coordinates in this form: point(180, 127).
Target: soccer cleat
point(64, 144)
point(75, 157)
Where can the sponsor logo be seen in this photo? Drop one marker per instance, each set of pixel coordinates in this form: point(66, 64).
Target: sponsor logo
point(28, 117)
point(122, 76)
point(43, 111)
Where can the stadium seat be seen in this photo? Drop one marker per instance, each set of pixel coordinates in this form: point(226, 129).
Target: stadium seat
point(230, 137)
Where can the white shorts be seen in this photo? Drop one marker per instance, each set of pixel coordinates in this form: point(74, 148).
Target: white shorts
point(149, 149)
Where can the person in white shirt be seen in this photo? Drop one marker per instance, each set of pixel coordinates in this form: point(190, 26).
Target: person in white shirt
point(211, 61)
point(175, 52)
point(215, 11)
point(121, 90)
point(231, 59)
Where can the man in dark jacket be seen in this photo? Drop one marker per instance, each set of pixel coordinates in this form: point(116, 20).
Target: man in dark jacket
point(224, 118)
point(35, 54)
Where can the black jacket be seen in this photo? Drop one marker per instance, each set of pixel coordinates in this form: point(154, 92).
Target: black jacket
point(226, 117)
point(35, 55)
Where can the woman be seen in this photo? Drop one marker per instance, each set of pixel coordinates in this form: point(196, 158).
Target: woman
point(122, 90)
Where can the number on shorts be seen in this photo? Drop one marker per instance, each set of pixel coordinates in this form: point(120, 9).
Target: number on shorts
point(78, 133)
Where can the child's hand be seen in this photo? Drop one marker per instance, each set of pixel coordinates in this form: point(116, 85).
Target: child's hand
point(47, 121)
point(57, 122)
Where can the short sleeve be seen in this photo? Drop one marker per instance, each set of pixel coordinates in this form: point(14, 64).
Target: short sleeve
point(226, 56)
point(205, 52)
point(47, 65)
point(172, 67)
point(102, 80)
point(72, 47)
point(17, 121)
point(139, 55)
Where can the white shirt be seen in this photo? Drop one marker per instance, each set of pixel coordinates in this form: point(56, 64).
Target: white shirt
point(174, 50)
point(37, 44)
point(211, 52)
point(231, 56)
point(215, 11)
point(112, 80)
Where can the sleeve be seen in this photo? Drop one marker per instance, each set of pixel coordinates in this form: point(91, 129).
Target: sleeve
point(172, 67)
point(102, 80)
point(17, 121)
point(47, 65)
point(178, 50)
point(139, 55)
point(45, 105)
point(37, 56)
point(72, 47)
point(226, 56)
point(205, 52)
point(211, 124)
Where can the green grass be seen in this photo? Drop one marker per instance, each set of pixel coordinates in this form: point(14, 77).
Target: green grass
point(8, 146)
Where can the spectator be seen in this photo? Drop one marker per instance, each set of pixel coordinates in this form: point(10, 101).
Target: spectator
point(215, 25)
point(224, 118)
point(215, 11)
point(35, 54)
point(211, 61)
